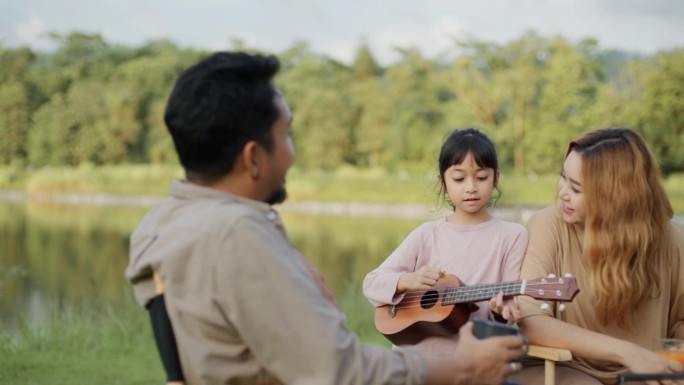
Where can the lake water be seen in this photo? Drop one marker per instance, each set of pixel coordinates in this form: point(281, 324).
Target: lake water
point(62, 256)
point(56, 256)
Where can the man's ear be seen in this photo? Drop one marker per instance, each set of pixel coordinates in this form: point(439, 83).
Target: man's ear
point(249, 157)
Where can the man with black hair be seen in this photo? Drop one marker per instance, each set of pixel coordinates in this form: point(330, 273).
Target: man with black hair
point(245, 306)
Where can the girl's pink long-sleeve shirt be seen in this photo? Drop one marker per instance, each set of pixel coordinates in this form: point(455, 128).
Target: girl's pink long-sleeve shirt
point(487, 252)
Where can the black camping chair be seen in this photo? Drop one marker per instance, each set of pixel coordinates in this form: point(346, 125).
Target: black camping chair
point(633, 377)
point(165, 339)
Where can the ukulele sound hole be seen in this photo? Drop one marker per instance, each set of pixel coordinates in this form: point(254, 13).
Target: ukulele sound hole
point(429, 299)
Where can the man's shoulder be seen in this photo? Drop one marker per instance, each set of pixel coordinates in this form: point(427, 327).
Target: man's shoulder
point(200, 211)
point(183, 224)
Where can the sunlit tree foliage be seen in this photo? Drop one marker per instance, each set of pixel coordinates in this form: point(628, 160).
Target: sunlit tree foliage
point(93, 102)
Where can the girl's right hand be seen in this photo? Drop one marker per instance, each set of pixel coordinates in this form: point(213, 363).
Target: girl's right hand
point(421, 279)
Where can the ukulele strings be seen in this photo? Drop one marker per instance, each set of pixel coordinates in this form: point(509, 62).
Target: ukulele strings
point(477, 289)
point(465, 294)
point(468, 290)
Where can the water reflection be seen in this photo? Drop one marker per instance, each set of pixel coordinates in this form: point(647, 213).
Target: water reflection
point(55, 256)
point(64, 256)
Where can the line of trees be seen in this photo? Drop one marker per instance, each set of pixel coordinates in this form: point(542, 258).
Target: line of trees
point(93, 102)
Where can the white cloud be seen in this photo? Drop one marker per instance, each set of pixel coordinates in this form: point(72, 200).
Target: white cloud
point(150, 26)
point(343, 50)
point(33, 32)
point(337, 28)
point(431, 40)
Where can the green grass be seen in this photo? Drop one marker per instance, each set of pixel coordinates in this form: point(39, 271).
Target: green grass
point(127, 180)
point(99, 345)
point(360, 314)
point(675, 191)
point(343, 185)
point(13, 178)
point(86, 345)
point(527, 190)
point(361, 185)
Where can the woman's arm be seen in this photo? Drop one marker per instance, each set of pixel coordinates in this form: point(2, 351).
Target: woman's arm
point(548, 331)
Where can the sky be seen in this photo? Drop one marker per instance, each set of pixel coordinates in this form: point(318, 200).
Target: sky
point(337, 28)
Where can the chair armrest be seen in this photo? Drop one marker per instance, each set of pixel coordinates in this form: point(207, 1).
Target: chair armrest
point(550, 356)
point(549, 353)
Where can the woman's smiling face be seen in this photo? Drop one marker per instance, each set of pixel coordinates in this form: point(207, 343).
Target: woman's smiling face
point(570, 190)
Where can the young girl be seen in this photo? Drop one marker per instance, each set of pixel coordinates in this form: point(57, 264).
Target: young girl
point(469, 243)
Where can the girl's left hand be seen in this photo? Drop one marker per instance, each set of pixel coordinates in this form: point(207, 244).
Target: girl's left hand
point(505, 308)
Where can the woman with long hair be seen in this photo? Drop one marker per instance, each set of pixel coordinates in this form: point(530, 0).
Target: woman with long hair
point(611, 229)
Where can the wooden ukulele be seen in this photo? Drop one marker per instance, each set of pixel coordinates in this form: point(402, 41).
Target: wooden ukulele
point(443, 309)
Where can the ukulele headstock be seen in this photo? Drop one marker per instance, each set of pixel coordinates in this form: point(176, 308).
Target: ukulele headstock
point(552, 288)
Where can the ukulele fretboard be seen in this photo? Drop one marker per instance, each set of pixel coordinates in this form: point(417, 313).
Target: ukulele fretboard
point(476, 293)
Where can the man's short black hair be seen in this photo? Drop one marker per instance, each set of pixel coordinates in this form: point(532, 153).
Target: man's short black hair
point(217, 106)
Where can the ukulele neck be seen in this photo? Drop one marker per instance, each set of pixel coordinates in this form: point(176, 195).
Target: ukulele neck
point(476, 293)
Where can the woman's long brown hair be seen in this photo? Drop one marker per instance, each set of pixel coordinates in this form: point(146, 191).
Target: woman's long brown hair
point(627, 213)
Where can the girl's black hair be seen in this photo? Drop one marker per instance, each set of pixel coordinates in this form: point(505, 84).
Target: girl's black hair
point(456, 148)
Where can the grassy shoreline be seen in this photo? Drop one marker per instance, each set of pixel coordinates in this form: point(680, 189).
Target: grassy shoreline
point(343, 185)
